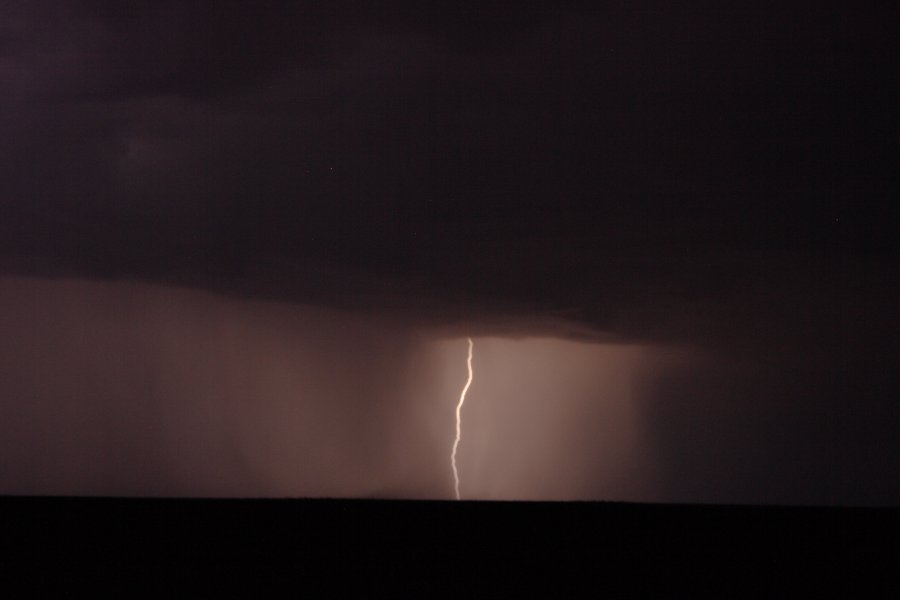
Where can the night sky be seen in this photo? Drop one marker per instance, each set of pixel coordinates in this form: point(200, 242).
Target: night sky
point(242, 245)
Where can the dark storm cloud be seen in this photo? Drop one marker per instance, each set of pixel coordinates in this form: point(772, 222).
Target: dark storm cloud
point(721, 179)
point(438, 147)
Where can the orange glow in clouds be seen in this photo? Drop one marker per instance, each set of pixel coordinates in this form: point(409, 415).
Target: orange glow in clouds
point(550, 418)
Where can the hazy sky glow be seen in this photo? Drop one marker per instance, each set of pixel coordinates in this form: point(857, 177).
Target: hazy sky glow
point(127, 388)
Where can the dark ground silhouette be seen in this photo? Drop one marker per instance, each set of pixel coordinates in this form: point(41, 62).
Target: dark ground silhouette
point(424, 548)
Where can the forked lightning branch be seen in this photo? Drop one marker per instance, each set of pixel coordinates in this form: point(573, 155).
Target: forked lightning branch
point(462, 399)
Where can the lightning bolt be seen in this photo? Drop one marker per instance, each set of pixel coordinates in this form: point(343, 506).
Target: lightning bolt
point(462, 398)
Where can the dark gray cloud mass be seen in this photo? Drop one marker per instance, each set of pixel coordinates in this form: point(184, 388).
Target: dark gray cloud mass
point(715, 181)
